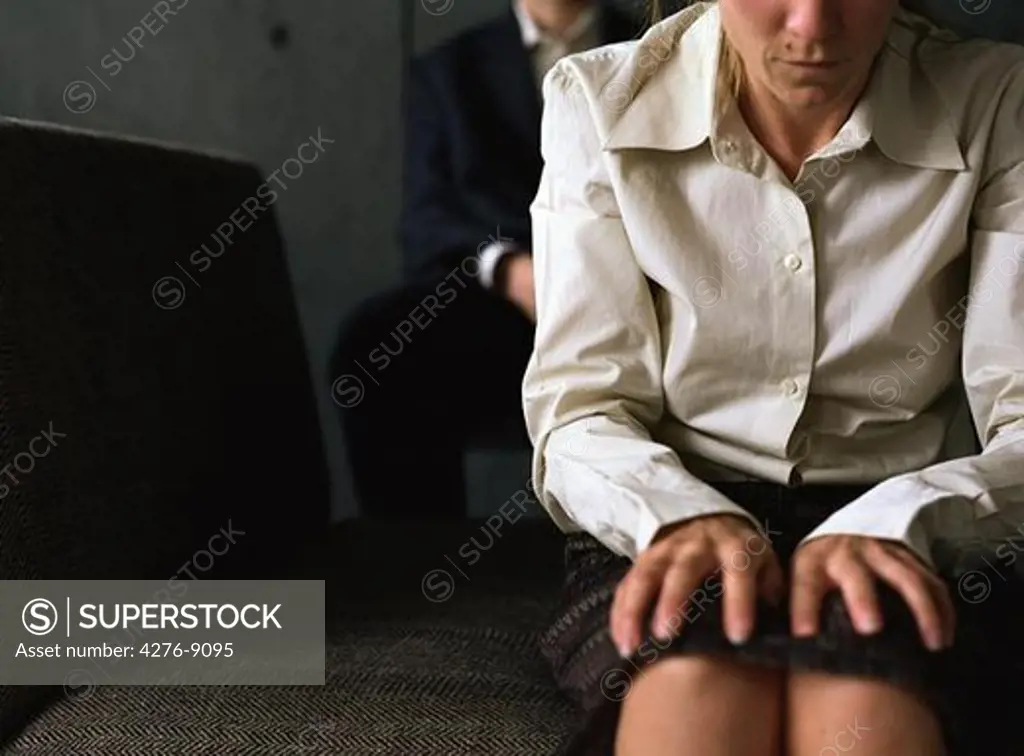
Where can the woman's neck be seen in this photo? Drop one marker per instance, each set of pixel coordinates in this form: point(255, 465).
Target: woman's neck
point(791, 134)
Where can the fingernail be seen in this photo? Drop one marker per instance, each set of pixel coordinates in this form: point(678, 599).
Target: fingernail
point(739, 636)
point(870, 625)
point(624, 650)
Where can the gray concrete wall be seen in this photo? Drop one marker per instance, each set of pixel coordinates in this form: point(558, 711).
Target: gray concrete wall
point(258, 77)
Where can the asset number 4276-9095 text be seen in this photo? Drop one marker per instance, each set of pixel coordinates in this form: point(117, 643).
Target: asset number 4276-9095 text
point(178, 650)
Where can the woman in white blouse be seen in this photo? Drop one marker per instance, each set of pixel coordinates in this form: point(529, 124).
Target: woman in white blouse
point(774, 242)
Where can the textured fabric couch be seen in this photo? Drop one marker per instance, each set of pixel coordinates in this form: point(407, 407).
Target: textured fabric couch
point(405, 674)
point(180, 404)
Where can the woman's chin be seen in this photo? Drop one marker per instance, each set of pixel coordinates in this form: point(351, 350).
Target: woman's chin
point(808, 94)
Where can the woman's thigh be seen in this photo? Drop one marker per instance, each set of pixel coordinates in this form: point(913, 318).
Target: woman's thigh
point(702, 705)
point(827, 715)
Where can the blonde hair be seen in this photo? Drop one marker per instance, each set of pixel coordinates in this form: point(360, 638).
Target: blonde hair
point(731, 65)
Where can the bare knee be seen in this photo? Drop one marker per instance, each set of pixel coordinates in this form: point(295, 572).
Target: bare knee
point(693, 704)
point(830, 715)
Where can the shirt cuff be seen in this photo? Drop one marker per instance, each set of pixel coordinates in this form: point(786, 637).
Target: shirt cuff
point(894, 510)
point(624, 506)
point(489, 257)
point(665, 508)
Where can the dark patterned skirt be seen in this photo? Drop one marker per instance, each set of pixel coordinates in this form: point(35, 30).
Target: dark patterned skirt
point(973, 687)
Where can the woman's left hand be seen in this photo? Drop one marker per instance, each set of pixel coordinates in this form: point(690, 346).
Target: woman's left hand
point(852, 564)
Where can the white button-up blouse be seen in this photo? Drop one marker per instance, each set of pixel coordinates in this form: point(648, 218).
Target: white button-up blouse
point(701, 317)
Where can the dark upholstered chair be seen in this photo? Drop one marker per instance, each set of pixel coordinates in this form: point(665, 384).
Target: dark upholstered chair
point(185, 404)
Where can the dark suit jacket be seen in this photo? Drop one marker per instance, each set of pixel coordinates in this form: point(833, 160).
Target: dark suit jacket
point(471, 162)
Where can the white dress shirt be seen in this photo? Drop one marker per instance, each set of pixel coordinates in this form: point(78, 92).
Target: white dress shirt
point(545, 49)
point(701, 317)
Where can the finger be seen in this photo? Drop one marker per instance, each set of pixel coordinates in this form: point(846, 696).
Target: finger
point(856, 582)
point(807, 588)
point(739, 581)
point(912, 585)
point(681, 587)
point(634, 595)
point(939, 590)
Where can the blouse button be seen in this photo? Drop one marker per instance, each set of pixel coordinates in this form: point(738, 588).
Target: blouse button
point(791, 387)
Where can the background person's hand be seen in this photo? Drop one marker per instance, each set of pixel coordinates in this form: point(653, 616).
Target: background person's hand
point(852, 564)
point(675, 565)
point(515, 275)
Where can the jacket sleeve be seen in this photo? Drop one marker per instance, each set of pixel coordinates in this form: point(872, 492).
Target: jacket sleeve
point(437, 232)
point(592, 388)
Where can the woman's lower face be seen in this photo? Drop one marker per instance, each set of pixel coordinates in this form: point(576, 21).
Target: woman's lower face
point(713, 707)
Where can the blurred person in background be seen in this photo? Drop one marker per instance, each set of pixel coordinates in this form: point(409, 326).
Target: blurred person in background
point(420, 369)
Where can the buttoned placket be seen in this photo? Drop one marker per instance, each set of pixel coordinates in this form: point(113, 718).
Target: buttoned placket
point(795, 292)
point(791, 249)
point(802, 209)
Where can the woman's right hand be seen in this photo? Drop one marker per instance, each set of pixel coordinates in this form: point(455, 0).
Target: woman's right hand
point(674, 569)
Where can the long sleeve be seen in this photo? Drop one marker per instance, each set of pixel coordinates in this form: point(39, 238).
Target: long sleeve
point(592, 388)
point(437, 230)
point(978, 497)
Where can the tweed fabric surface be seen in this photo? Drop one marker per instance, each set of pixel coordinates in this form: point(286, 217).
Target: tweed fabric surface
point(134, 431)
point(403, 677)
